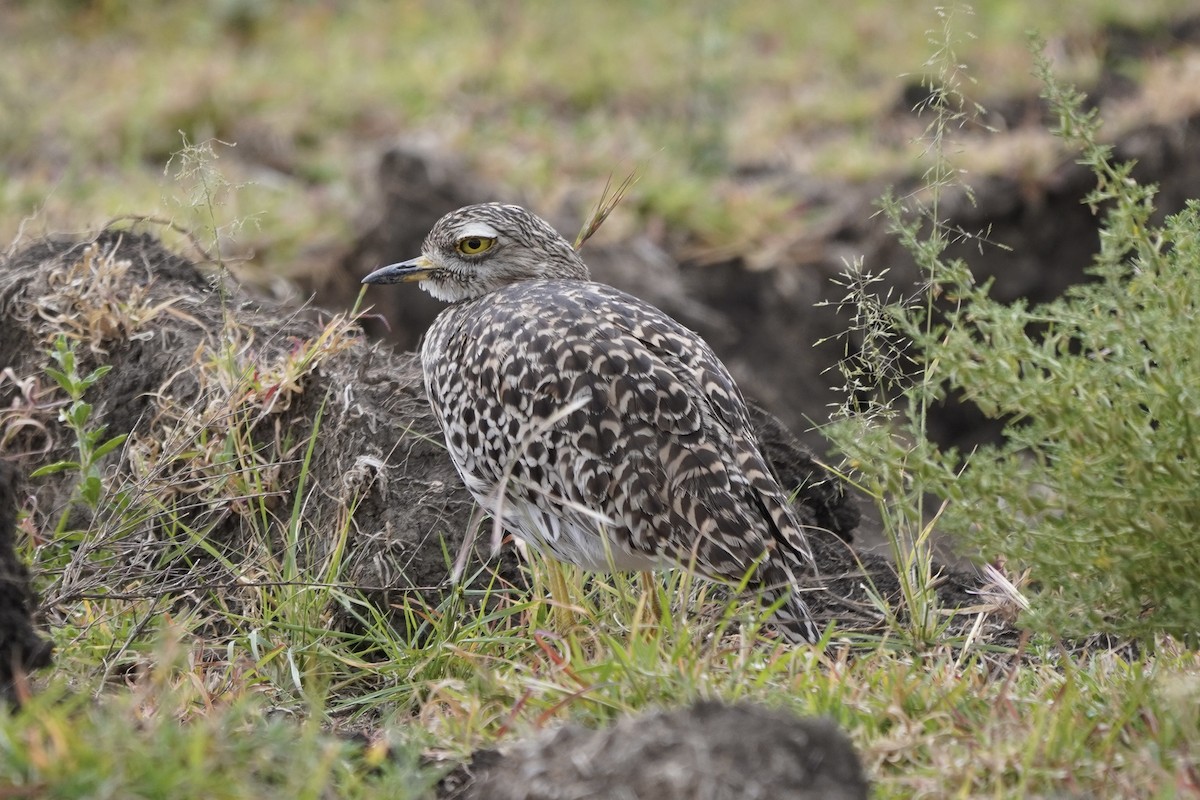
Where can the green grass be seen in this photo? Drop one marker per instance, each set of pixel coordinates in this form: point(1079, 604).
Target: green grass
point(180, 733)
point(192, 718)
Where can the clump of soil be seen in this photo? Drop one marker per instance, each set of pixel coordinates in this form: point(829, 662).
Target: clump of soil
point(711, 750)
point(214, 388)
point(21, 649)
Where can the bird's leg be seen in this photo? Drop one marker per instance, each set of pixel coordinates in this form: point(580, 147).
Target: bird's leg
point(650, 596)
point(560, 596)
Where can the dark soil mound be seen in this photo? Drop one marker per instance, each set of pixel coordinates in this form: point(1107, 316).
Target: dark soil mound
point(741, 752)
point(21, 649)
point(213, 386)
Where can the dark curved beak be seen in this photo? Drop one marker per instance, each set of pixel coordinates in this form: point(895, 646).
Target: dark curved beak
point(415, 269)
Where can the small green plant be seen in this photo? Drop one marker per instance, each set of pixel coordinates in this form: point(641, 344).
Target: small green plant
point(207, 190)
point(882, 429)
point(90, 441)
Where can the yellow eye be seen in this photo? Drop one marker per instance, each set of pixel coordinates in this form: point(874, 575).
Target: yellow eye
point(474, 245)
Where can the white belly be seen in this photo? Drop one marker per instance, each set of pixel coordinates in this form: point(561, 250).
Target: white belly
point(574, 536)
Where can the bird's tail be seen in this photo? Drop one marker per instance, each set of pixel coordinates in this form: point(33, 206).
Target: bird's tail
point(781, 586)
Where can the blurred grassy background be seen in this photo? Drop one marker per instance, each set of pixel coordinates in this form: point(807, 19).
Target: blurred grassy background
point(547, 98)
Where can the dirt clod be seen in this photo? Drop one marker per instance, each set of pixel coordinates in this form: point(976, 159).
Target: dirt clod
point(21, 649)
point(712, 750)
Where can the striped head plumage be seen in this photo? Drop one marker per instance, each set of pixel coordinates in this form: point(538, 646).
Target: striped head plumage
point(480, 248)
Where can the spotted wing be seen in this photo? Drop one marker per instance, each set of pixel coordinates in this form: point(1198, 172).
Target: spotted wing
point(592, 405)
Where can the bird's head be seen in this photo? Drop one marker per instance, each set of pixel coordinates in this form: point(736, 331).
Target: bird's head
point(484, 247)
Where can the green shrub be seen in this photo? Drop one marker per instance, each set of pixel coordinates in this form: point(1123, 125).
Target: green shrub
point(1096, 488)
